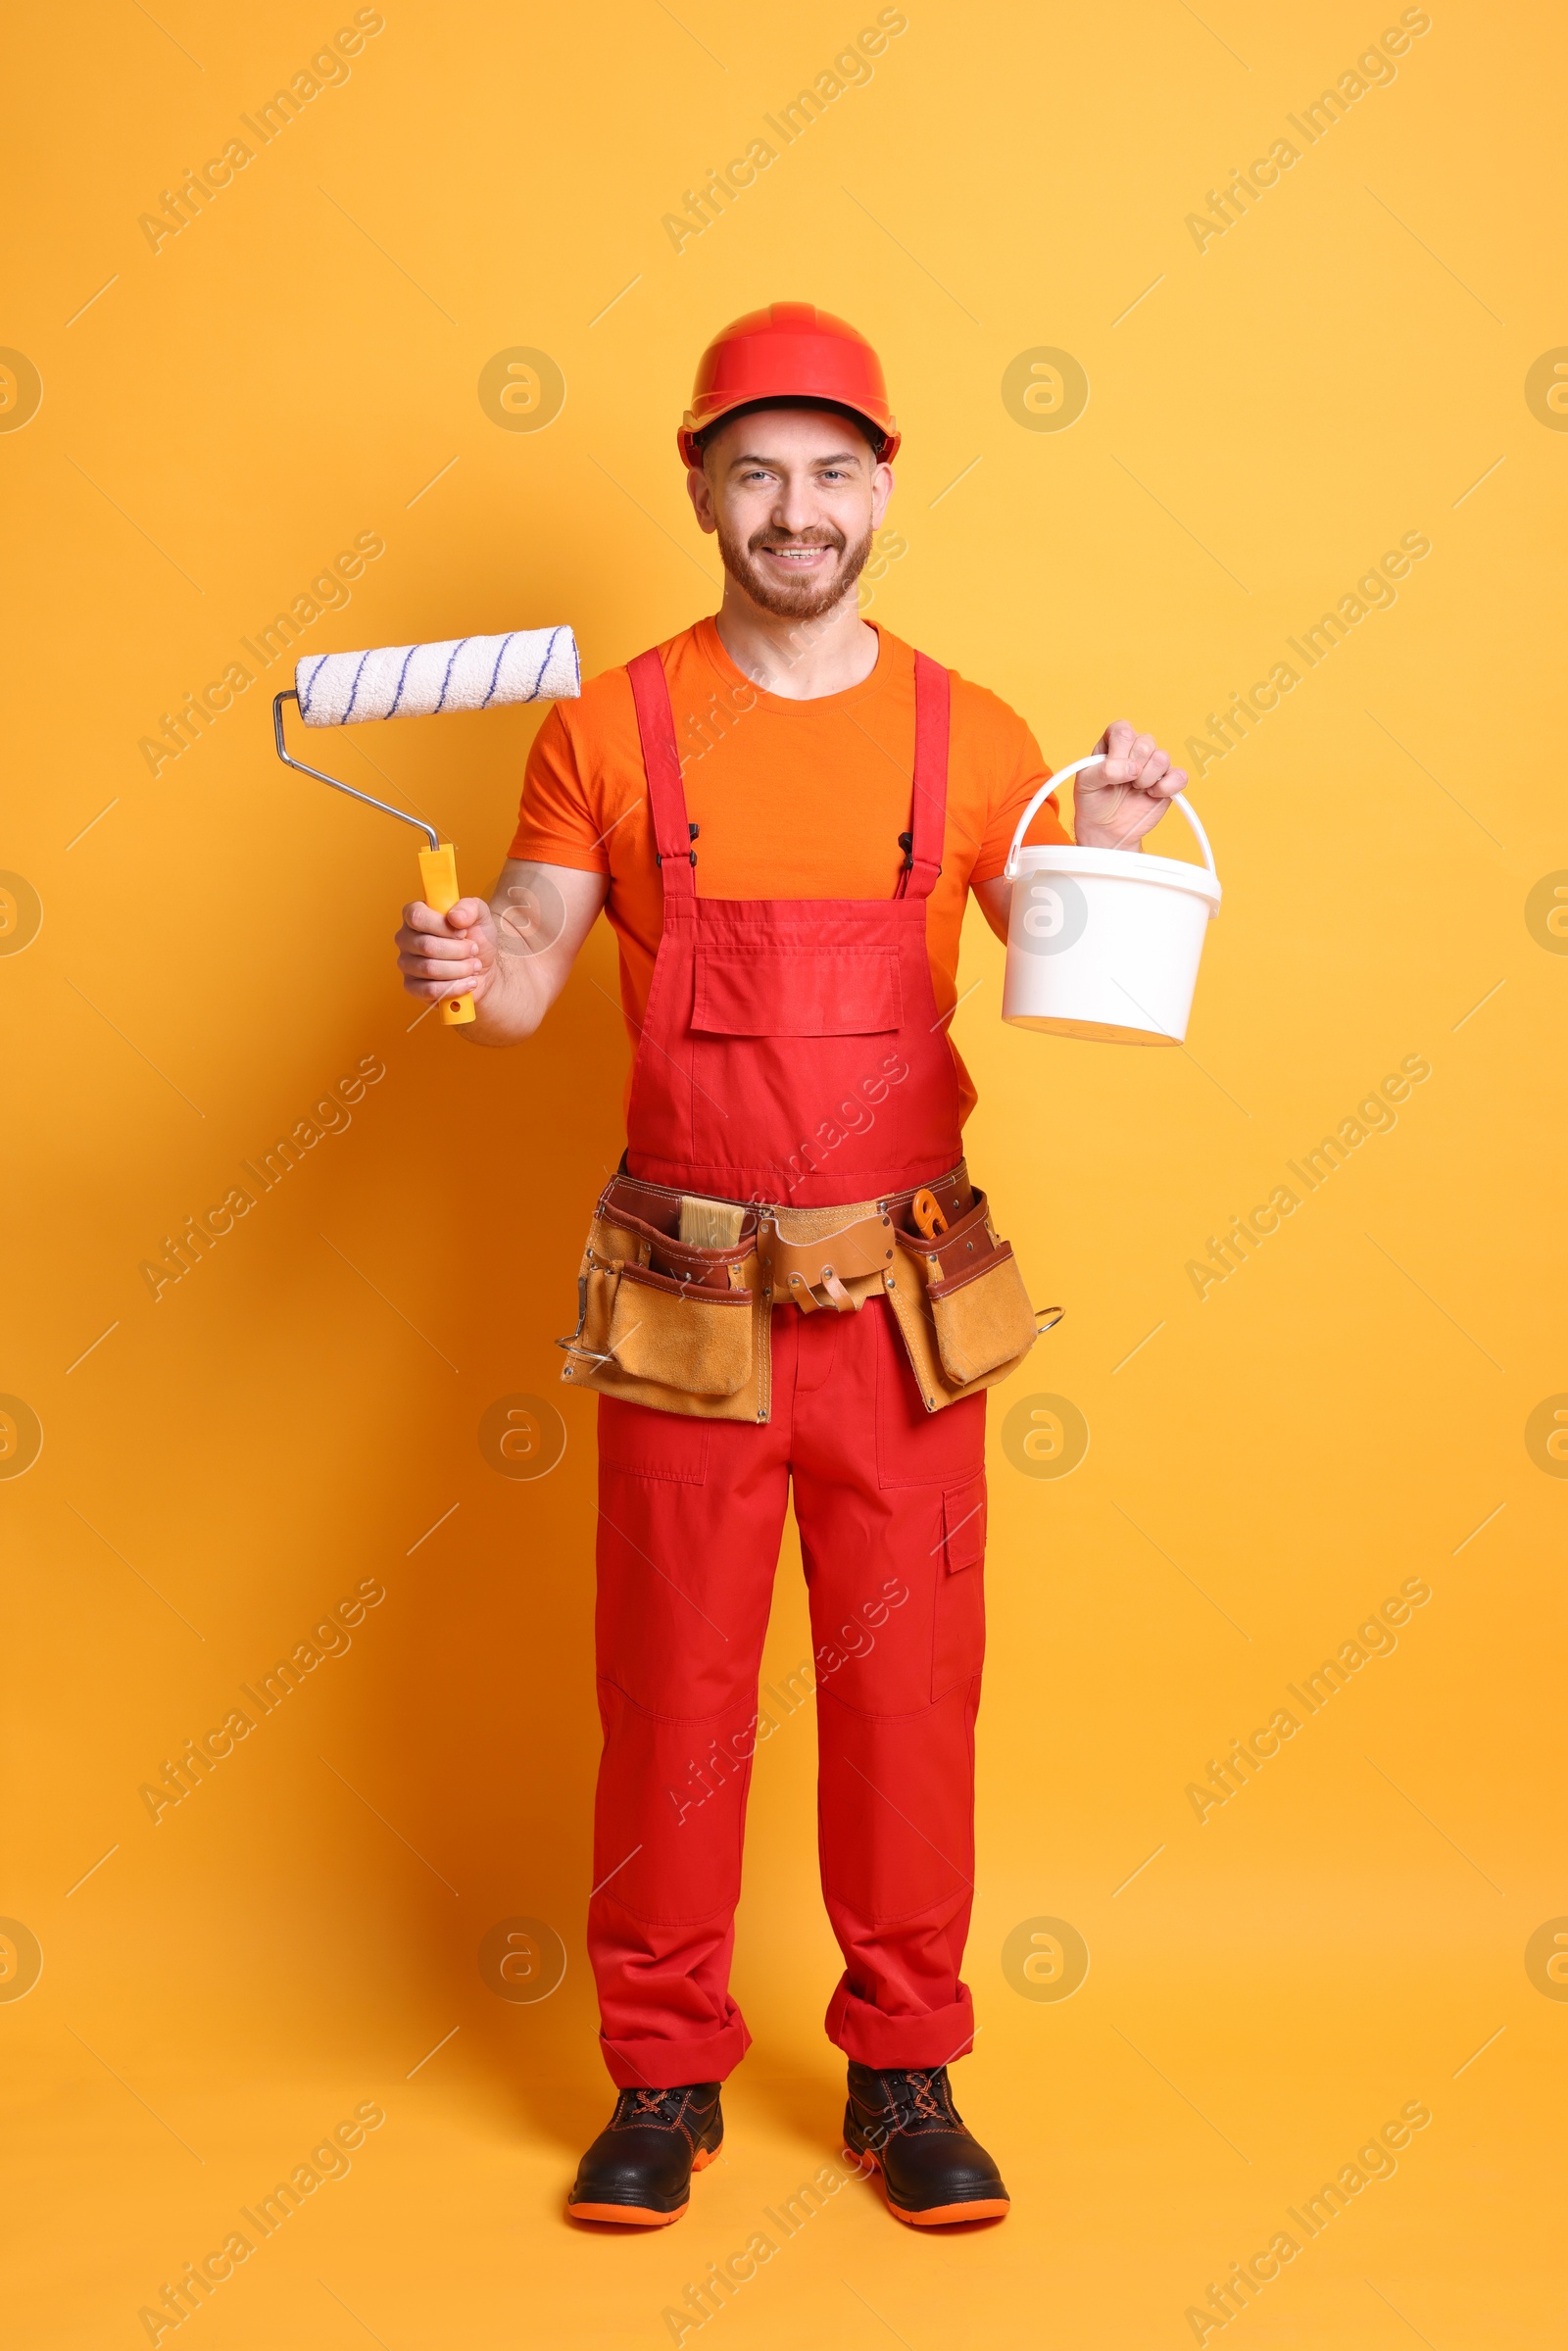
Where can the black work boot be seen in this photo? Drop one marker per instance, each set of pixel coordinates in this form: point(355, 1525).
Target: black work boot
point(932, 2170)
point(639, 2169)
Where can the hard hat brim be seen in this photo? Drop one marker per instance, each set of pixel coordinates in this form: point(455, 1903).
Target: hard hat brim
point(883, 433)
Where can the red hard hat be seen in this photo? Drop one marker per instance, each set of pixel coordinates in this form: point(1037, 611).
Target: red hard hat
point(791, 350)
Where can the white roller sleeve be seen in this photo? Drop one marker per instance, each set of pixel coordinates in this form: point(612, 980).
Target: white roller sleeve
point(414, 681)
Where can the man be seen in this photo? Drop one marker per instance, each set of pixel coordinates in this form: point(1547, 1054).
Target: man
point(781, 810)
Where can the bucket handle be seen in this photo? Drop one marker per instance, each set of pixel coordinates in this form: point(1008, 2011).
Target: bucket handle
point(1179, 799)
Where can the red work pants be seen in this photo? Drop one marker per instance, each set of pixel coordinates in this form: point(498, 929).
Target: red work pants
point(890, 1501)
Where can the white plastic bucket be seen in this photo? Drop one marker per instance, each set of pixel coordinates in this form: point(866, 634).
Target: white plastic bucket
point(1104, 943)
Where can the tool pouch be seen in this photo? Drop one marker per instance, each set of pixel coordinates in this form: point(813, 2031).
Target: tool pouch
point(664, 1323)
point(675, 1334)
point(961, 1306)
point(682, 1328)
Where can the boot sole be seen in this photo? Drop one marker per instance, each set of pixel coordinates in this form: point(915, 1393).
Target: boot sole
point(931, 2215)
point(642, 2216)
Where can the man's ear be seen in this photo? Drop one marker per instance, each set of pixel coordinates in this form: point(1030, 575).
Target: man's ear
point(702, 498)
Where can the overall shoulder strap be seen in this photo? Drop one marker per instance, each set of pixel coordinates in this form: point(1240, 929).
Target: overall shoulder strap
point(929, 811)
point(656, 727)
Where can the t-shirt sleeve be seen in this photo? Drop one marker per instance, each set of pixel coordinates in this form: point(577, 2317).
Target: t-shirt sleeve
point(1020, 772)
point(557, 823)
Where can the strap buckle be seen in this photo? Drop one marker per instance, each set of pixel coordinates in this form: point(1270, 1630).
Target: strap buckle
point(694, 830)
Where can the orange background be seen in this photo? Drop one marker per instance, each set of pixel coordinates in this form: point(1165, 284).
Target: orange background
point(300, 1414)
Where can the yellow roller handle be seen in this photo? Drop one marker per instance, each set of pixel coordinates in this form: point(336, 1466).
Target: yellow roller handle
point(438, 871)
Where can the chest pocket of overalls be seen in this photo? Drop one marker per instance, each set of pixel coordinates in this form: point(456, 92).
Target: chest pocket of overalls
point(816, 990)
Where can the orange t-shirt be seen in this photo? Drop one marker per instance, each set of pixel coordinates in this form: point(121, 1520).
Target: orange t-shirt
point(792, 799)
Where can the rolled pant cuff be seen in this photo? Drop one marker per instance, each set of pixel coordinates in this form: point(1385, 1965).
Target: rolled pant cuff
point(649, 2064)
point(889, 2044)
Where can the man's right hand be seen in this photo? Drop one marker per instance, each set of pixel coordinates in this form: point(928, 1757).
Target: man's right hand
point(447, 954)
point(512, 956)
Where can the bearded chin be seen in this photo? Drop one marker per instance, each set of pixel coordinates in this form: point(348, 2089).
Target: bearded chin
point(807, 601)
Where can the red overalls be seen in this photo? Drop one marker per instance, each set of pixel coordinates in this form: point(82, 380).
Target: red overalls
point(792, 1052)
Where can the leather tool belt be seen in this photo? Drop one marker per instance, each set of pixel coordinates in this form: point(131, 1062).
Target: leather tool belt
point(680, 1328)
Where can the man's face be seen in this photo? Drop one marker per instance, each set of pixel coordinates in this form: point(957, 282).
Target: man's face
point(794, 496)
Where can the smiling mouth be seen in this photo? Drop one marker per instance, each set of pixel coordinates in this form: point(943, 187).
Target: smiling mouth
point(799, 558)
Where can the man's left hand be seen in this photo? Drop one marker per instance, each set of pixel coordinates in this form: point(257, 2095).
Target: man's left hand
point(1119, 802)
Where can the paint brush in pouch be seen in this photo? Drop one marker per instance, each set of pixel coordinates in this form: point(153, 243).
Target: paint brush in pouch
point(711, 1223)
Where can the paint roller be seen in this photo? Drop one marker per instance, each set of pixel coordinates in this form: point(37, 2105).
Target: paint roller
point(416, 681)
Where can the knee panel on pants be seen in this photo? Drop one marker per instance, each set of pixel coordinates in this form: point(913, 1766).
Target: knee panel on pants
point(895, 1806)
point(671, 1804)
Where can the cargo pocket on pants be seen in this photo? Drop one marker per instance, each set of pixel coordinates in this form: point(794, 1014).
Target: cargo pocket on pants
point(959, 1617)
